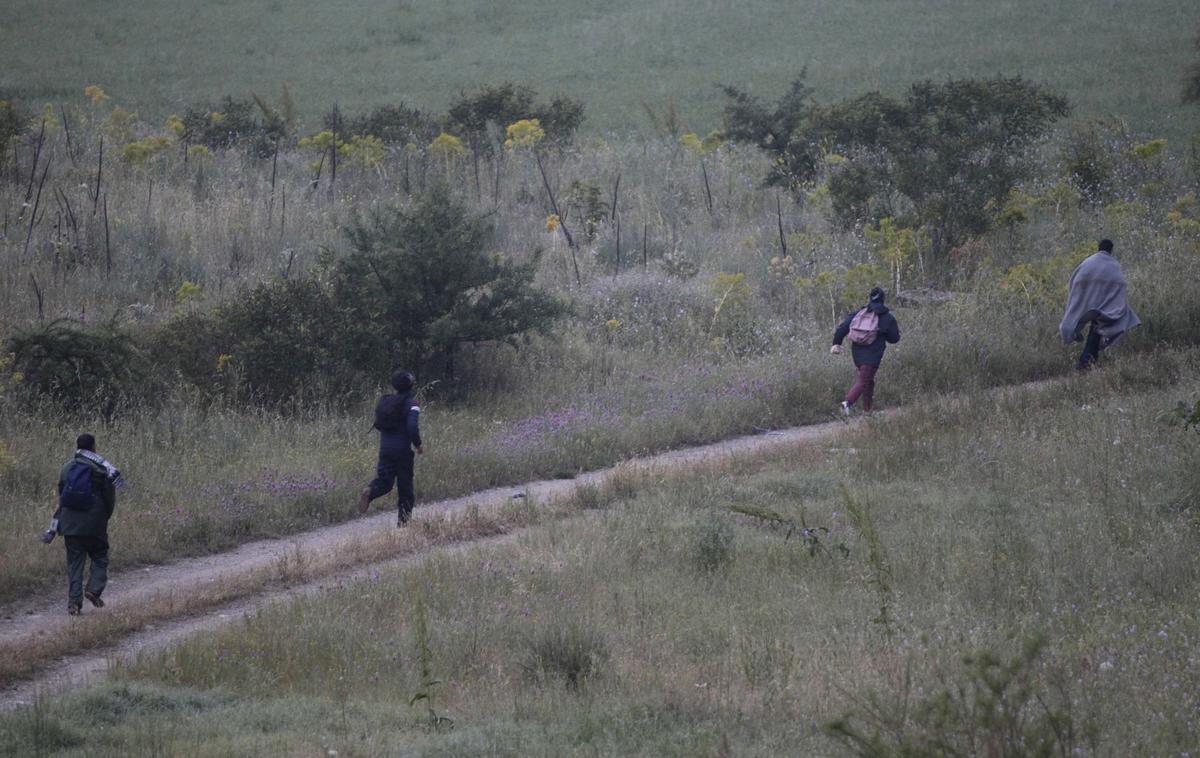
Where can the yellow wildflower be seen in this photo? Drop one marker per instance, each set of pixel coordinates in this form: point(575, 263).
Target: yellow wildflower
point(447, 147)
point(524, 133)
point(95, 93)
point(552, 222)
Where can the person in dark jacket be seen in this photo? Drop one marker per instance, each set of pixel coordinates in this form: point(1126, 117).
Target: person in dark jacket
point(397, 418)
point(867, 357)
point(85, 529)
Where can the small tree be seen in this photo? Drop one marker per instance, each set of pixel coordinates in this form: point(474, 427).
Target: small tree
point(778, 130)
point(425, 283)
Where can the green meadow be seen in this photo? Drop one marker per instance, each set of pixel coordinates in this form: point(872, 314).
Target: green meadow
point(1111, 58)
point(987, 569)
point(1000, 574)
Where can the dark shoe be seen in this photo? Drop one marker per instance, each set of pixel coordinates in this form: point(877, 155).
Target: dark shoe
point(73, 610)
point(404, 516)
point(94, 598)
point(364, 500)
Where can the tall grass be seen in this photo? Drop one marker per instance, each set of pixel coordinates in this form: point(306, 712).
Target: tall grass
point(1052, 515)
point(644, 364)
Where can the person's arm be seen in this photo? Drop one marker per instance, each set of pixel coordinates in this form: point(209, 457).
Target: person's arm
point(414, 427)
point(108, 494)
point(840, 333)
point(893, 332)
point(61, 484)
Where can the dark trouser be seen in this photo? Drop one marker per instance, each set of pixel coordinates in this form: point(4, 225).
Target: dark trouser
point(1091, 348)
point(395, 468)
point(79, 549)
point(864, 386)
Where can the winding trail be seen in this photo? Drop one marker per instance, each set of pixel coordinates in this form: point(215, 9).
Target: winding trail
point(200, 594)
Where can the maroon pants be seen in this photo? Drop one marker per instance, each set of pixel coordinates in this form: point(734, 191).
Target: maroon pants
point(864, 386)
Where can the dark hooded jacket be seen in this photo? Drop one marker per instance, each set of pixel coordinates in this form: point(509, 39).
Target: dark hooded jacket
point(94, 521)
point(400, 441)
point(872, 354)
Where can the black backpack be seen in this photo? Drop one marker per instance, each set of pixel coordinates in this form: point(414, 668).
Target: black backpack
point(391, 413)
point(77, 494)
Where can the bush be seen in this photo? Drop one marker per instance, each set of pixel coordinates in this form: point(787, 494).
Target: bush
point(282, 340)
point(508, 103)
point(416, 285)
point(395, 124)
point(953, 150)
point(425, 283)
point(235, 123)
point(94, 368)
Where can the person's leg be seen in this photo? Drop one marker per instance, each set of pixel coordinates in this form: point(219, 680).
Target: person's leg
point(76, 555)
point(1091, 348)
point(405, 496)
point(98, 576)
point(385, 475)
point(866, 375)
point(859, 384)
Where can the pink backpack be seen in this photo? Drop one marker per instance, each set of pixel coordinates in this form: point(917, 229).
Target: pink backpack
point(864, 327)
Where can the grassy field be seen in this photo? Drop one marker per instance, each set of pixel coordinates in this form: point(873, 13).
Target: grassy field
point(1119, 58)
point(644, 363)
point(663, 622)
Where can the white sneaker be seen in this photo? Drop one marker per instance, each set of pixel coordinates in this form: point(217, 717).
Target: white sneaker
point(845, 408)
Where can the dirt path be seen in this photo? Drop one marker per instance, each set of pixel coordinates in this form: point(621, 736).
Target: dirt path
point(248, 576)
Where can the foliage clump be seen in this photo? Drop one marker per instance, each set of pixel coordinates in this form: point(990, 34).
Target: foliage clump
point(415, 285)
point(248, 123)
point(500, 105)
point(942, 152)
point(80, 367)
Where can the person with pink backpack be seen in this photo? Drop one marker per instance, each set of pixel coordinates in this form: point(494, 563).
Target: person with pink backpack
point(870, 329)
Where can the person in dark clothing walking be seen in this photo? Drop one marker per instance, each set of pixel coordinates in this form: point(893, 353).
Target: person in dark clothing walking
point(397, 417)
point(870, 329)
point(86, 499)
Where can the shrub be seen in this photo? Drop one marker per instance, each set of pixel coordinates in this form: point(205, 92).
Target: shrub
point(507, 103)
point(234, 123)
point(282, 340)
point(396, 125)
point(424, 281)
point(949, 149)
point(94, 368)
point(777, 130)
